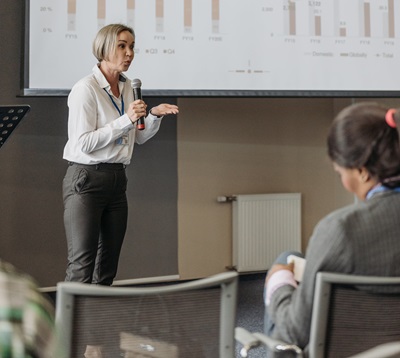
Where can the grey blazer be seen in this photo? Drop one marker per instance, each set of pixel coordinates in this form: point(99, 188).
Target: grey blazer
point(362, 239)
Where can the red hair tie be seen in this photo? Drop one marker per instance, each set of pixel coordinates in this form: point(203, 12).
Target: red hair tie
point(389, 117)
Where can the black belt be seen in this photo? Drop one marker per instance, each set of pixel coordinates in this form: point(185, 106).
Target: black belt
point(101, 166)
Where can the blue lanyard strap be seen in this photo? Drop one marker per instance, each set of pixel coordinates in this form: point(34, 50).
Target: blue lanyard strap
point(379, 189)
point(120, 111)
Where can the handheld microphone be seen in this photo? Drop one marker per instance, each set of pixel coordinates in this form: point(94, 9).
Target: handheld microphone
point(137, 94)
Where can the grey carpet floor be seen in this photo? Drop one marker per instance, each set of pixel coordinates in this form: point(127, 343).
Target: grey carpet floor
point(250, 312)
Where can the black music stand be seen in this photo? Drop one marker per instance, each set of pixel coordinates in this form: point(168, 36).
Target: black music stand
point(10, 117)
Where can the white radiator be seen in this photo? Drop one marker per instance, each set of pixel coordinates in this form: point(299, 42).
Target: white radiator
point(264, 225)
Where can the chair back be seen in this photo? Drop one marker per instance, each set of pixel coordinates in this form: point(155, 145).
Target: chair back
point(186, 319)
point(353, 313)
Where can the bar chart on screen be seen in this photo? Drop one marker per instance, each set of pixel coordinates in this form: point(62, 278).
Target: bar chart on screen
point(339, 18)
point(101, 13)
point(130, 8)
point(236, 43)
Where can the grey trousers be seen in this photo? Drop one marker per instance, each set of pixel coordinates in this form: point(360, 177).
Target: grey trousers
point(95, 220)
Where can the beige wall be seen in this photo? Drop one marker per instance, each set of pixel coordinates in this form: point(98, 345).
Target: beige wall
point(248, 146)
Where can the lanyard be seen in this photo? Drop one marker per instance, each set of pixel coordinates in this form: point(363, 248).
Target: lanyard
point(120, 111)
point(379, 189)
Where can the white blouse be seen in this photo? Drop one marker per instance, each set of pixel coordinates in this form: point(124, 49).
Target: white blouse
point(98, 130)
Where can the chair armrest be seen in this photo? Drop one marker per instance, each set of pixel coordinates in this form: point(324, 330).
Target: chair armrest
point(276, 345)
point(251, 340)
point(386, 350)
point(247, 339)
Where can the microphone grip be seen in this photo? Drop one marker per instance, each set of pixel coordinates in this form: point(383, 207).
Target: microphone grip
point(140, 124)
point(137, 94)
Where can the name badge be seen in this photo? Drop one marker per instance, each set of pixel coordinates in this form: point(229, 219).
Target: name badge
point(122, 140)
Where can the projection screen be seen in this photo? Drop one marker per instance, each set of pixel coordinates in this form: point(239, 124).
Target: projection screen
point(223, 47)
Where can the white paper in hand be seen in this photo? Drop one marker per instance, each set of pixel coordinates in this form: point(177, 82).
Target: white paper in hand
point(299, 265)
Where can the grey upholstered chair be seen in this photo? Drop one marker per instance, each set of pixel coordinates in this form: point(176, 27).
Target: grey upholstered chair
point(186, 319)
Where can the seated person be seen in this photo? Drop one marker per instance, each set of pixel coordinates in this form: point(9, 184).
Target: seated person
point(26, 317)
point(360, 239)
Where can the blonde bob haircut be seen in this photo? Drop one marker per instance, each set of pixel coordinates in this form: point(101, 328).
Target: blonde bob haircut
point(105, 41)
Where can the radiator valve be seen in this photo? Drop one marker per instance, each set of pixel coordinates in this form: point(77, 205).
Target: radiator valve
point(226, 199)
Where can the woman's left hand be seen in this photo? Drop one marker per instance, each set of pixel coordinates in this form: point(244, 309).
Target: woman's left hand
point(278, 267)
point(163, 109)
